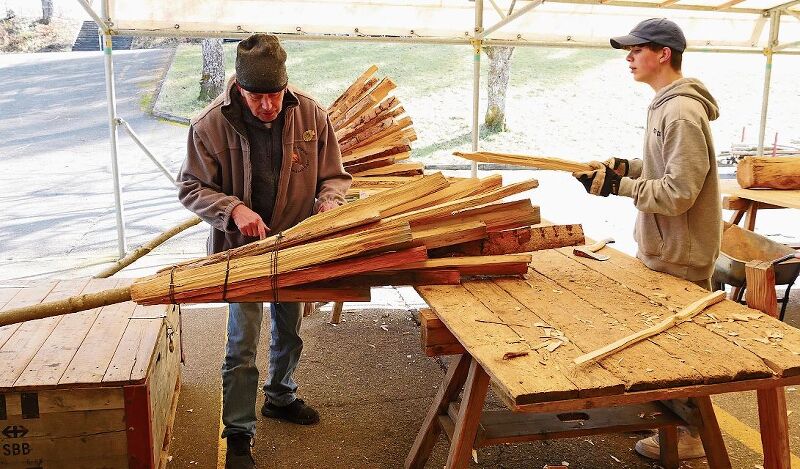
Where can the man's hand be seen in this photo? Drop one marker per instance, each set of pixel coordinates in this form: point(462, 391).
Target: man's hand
point(602, 181)
point(327, 205)
point(249, 222)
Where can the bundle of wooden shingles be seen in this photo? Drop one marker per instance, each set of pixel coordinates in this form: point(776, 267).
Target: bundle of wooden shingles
point(428, 231)
point(374, 133)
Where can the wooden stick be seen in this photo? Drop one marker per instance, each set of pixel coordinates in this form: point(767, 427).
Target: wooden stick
point(146, 248)
point(539, 162)
point(683, 315)
point(72, 304)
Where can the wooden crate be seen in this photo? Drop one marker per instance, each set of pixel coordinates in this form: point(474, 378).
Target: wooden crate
point(96, 389)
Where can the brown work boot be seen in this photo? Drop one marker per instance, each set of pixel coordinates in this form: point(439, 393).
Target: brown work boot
point(689, 446)
point(238, 455)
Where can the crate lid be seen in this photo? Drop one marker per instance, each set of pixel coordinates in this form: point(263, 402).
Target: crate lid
point(99, 347)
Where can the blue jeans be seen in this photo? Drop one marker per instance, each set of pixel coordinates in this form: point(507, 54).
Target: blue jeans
point(239, 371)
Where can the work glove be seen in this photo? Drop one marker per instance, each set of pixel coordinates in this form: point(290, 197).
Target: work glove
point(603, 181)
point(620, 166)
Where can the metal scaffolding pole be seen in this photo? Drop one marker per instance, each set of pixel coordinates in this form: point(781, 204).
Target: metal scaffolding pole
point(476, 80)
point(112, 128)
point(127, 127)
point(774, 29)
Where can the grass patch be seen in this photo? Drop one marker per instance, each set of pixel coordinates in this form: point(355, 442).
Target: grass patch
point(434, 82)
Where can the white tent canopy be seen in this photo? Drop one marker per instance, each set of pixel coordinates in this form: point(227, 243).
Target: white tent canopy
point(707, 23)
point(760, 26)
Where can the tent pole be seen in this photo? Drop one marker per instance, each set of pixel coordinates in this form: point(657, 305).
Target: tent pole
point(112, 128)
point(476, 79)
point(774, 27)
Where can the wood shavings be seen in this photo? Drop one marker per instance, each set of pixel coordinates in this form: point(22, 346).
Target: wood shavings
point(762, 340)
point(712, 317)
point(614, 458)
point(775, 335)
point(510, 355)
point(740, 317)
point(554, 345)
point(541, 324)
point(649, 370)
point(486, 321)
point(733, 334)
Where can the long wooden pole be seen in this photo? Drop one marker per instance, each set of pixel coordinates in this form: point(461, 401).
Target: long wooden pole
point(146, 248)
point(538, 162)
point(66, 306)
point(683, 315)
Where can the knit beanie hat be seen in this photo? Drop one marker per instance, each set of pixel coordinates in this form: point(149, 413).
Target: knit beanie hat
point(261, 64)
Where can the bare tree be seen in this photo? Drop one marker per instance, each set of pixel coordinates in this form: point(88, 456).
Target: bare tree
point(499, 73)
point(47, 11)
point(212, 80)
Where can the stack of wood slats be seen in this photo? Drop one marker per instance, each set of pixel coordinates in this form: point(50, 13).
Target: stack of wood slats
point(430, 231)
point(373, 131)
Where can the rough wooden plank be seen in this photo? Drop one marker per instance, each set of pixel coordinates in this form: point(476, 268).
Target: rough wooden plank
point(760, 293)
point(783, 358)
point(92, 358)
point(49, 363)
point(26, 341)
point(590, 380)
point(526, 239)
point(68, 400)
point(781, 198)
point(23, 297)
point(135, 349)
point(488, 341)
point(687, 343)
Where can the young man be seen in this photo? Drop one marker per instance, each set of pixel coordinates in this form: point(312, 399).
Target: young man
point(674, 186)
point(261, 158)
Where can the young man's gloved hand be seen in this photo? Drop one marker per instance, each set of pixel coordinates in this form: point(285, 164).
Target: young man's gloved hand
point(601, 181)
point(620, 166)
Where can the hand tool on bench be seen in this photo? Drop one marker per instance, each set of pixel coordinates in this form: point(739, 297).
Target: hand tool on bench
point(590, 250)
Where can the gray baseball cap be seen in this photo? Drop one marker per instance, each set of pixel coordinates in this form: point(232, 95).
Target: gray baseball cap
point(659, 31)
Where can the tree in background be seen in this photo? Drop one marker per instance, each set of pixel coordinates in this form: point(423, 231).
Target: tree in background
point(499, 73)
point(212, 80)
point(47, 11)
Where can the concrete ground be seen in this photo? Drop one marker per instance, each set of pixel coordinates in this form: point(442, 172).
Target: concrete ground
point(367, 376)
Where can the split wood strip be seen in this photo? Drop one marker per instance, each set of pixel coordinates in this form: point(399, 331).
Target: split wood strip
point(384, 182)
point(68, 305)
point(146, 248)
point(389, 107)
point(309, 294)
point(781, 356)
point(372, 152)
point(358, 83)
point(397, 169)
point(538, 162)
point(685, 314)
point(395, 278)
point(769, 172)
point(448, 234)
point(624, 312)
point(352, 99)
point(510, 264)
point(356, 168)
point(456, 190)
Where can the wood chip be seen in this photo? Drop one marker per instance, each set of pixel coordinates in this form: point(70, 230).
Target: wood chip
point(510, 355)
point(540, 324)
point(556, 344)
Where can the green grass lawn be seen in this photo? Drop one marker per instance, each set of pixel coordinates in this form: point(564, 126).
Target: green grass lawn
point(573, 103)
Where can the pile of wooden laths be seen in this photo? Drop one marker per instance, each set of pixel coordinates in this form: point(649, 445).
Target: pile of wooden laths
point(406, 235)
point(433, 230)
point(374, 133)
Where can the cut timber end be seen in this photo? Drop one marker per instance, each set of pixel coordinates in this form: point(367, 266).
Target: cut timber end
point(769, 172)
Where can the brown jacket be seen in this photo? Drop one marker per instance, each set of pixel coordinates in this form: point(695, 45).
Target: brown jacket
point(216, 175)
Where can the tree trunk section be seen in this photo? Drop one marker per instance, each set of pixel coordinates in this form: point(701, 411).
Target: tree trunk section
point(212, 79)
point(499, 72)
point(47, 11)
point(769, 172)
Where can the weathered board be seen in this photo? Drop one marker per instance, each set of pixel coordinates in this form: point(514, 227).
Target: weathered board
point(92, 389)
point(526, 332)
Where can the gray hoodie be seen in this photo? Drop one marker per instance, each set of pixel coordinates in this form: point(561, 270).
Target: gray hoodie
point(675, 186)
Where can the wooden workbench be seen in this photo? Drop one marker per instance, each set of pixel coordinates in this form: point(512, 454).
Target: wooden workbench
point(97, 388)
point(593, 304)
point(747, 202)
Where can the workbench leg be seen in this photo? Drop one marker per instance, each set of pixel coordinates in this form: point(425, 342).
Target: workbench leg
point(336, 312)
point(774, 428)
point(308, 308)
point(737, 216)
point(714, 445)
point(750, 218)
point(668, 447)
point(469, 416)
point(429, 432)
